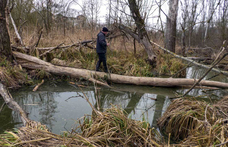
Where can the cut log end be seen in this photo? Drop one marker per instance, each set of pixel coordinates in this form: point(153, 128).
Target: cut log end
point(152, 60)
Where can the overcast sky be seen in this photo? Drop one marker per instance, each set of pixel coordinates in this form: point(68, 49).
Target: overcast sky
point(104, 10)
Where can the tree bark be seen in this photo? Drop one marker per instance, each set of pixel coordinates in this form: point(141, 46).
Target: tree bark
point(12, 104)
point(31, 62)
point(5, 49)
point(144, 41)
point(170, 34)
point(142, 36)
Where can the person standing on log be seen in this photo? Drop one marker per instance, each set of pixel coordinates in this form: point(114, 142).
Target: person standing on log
point(101, 49)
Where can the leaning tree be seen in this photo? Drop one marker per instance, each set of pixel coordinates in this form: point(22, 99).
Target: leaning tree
point(141, 35)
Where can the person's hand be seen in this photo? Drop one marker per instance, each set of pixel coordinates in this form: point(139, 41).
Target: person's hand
point(108, 44)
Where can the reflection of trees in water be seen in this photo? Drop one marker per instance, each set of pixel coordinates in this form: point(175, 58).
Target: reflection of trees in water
point(6, 119)
point(138, 104)
point(108, 97)
point(207, 93)
point(193, 92)
point(45, 101)
point(196, 73)
point(47, 108)
point(158, 109)
point(134, 100)
point(143, 109)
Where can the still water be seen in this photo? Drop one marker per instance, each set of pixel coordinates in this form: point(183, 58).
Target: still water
point(60, 105)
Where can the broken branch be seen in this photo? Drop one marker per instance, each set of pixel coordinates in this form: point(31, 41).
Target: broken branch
point(51, 50)
point(15, 29)
point(37, 86)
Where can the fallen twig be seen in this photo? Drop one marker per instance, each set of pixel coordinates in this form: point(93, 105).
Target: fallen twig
point(99, 82)
point(37, 86)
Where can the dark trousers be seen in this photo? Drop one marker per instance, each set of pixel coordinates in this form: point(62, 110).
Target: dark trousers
point(102, 58)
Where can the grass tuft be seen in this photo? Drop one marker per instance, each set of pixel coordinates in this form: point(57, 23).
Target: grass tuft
point(195, 123)
point(13, 76)
point(109, 128)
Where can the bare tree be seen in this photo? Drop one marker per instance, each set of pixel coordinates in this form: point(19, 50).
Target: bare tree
point(141, 36)
point(189, 17)
point(183, 26)
point(109, 13)
point(211, 10)
point(5, 49)
point(45, 11)
point(48, 15)
point(22, 12)
point(192, 17)
point(223, 22)
point(92, 12)
point(159, 20)
point(170, 33)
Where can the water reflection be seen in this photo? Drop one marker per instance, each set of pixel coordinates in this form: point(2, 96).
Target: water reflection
point(59, 105)
point(196, 73)
point(6, 118)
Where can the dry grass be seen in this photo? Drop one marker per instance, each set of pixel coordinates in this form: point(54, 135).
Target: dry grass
point(168, 65)
point(188, 122)
point(13, 76)
point(196, 123)
point(120, 56)
point(109, 128)
point(55, 37)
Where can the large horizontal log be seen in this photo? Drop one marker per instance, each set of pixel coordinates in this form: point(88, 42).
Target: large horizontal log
point(35, 63)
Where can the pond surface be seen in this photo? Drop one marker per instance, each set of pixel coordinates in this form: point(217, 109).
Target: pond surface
point(60, 105)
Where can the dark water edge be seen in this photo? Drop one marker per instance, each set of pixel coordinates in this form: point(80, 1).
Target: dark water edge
point(59, 104)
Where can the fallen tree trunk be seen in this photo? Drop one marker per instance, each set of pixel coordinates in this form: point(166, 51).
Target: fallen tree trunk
point(31, 62)
point(191, 61)
point(12, 104)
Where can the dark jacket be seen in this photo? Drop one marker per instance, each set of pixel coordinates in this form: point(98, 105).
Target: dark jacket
point(101, 43)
